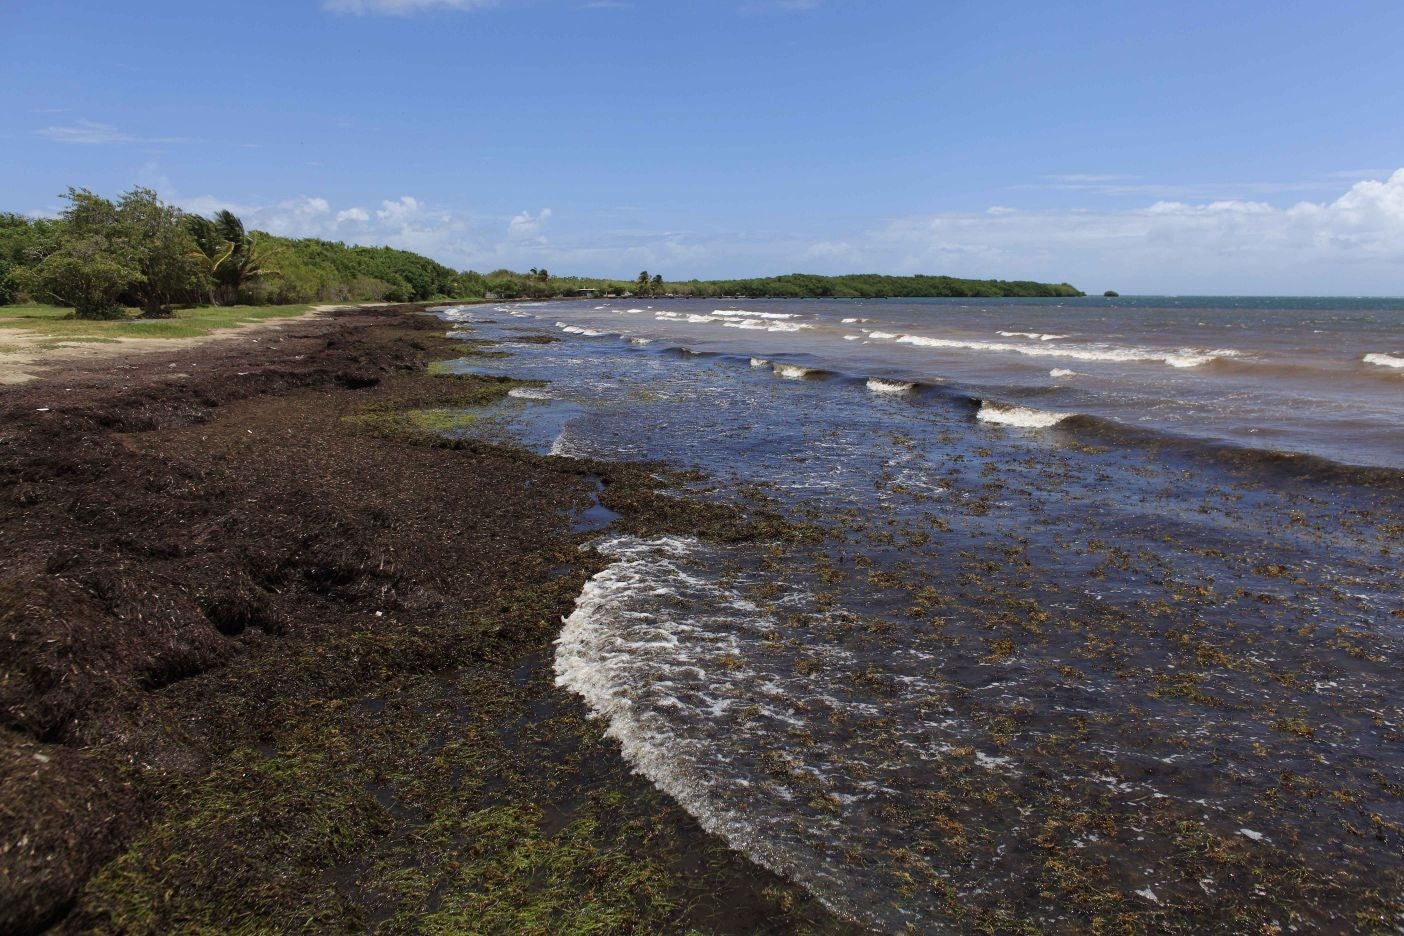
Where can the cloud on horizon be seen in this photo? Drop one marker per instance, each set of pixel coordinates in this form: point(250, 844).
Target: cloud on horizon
point(90, 133)
point(1353, 244)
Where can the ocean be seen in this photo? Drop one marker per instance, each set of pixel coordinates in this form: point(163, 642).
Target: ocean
point(1106, 611)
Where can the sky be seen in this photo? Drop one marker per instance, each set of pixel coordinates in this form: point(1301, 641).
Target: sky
point(1157, 148)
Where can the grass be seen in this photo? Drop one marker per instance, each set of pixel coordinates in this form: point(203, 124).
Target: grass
point(56, 322)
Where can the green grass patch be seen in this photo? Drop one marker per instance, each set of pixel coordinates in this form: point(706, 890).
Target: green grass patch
point(58, 322)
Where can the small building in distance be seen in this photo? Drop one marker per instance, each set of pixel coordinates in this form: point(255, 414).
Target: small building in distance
point(586, 293)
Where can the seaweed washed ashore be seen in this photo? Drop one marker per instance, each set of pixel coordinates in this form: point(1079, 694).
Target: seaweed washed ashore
point(1034, 677)
point(276, 658)
point(279, 628)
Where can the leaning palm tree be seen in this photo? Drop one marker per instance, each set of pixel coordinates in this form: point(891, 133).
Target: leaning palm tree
point(233, 255)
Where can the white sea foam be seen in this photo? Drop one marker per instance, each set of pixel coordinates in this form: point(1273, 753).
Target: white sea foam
point(1062, 372)
point(640, 341)
point(599, 648)
point(852, 337)
point(742, 313)
point(759, 362)
point(1036, 336)
point(855, 321)
point(564, 446)
point(1184, 357)
point(521, 315)
point(528, 393)
point(891, 387)
point(792, 371)
point(881, 335)
point(1024, 417)
point(1384, 360)
point(690, 317)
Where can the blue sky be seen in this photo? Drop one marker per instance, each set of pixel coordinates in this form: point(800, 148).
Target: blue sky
point(1192, 147)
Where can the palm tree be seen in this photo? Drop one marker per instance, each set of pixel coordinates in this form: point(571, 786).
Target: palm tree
point(233, 255)
point(642, 283)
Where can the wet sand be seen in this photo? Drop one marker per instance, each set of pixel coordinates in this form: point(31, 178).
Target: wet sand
point(276, 656)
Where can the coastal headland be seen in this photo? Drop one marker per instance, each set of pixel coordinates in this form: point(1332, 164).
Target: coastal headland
point(276, 656)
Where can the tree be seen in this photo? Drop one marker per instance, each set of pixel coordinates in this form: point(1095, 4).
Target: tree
point(157, 238)
point(642, 284)
point(542, 274)
point(231, 256)
point(85, 273)
point(88, 264)
point(657, 283)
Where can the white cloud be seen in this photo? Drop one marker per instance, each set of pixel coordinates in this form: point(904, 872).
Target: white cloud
point(526, 226)
point(402, 7)
point(90, 133)
point(399, 213)
point(86, 132)
point(1353, 244)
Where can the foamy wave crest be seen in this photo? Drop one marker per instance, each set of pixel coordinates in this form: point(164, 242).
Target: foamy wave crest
point(759, 362)
point(890, 387)
point(793, 371)
point(691, 318)
point(1036, 336)
point(1184, 357)
point(1024, 417)
point(563, 446)
point(1384, 360)
point(742, 313)
point(606, 642)
point(1062, 372)
point(856, 321)
point(882, 335)
point(577, 330)
point(640, 341)
point(528, 393)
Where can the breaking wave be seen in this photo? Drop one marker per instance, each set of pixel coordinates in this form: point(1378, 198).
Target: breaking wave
point(1184, 357)
point(891, 387)
point(1025, 417)
point(1384, 360)
point(1036, 336)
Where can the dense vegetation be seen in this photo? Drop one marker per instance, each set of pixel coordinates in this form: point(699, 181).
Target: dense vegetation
point(101, 257)
point(870, 286)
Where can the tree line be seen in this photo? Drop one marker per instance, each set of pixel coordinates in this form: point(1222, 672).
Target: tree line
point(101, 257)
point(871, 286)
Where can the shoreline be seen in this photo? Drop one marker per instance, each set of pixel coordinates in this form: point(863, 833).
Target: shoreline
point(310, 678)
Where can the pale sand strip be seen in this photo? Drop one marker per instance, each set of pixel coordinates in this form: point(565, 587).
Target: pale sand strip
point(36, 351)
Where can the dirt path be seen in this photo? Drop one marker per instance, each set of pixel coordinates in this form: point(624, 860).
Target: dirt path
point(27, 355)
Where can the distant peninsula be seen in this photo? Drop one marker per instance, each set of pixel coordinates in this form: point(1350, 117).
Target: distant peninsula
point(105, 258)
point(872, 286)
